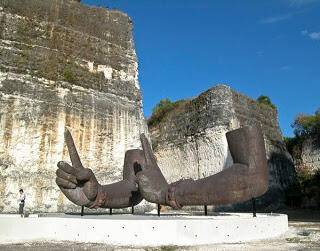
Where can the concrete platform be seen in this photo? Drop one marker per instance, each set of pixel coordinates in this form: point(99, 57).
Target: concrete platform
point(144, 230)
point(18, 216)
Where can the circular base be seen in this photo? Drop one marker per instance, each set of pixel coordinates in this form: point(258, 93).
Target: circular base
point(145, 230)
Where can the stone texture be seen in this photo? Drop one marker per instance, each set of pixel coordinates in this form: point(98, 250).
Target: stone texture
point(310, 154)
point(64, 64)
point(190, 141)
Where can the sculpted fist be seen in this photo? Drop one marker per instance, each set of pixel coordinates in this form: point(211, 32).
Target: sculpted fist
point(76, 182)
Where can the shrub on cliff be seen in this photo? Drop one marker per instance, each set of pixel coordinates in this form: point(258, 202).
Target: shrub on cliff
point(162, 109)
point(68, 76)
point(307, 125)
point(262, 99)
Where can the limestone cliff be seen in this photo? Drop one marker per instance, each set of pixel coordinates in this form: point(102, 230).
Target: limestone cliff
point(190, 141)
point(310, 154)
point(64, 64)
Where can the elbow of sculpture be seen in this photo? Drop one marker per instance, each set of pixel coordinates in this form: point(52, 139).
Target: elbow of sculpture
point(262, 185)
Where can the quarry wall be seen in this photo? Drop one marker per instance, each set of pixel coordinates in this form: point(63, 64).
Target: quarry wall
point(64, 64)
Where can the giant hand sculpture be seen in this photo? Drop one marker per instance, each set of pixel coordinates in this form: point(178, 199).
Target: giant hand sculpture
point(247, 178)
point(80, 185)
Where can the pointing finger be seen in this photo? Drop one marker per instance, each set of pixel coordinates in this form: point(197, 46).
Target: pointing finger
point(74, 156)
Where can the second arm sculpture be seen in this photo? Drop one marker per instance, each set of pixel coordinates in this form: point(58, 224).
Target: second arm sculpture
point(247, 178)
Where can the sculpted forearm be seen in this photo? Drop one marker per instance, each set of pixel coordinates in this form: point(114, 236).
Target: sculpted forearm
point(118, 195)
point(235, 184)
point(247, 178)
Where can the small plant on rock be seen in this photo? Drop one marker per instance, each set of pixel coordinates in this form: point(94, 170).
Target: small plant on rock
point(262, 99)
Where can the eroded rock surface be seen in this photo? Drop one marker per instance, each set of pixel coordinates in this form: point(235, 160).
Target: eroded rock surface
point(64, 64)
point(310, 154)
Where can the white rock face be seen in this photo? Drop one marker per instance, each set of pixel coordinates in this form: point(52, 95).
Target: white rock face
point(311, 154)
point(197, 158)
point(32, 139)
point(60, 71)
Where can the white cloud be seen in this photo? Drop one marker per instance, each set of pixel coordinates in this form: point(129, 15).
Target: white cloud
point(314, 35)
point(311, 35)
point(276, 19)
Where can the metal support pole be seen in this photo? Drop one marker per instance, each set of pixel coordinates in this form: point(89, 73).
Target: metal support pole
point(110, 211)
point(254, 211)
point(205, 210)
point(159, 207)
point(82, 209)
point(132, 210)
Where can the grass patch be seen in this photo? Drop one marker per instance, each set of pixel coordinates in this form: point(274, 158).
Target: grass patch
point(68, 76)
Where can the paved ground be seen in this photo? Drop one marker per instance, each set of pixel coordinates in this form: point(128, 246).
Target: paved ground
point(303, 234)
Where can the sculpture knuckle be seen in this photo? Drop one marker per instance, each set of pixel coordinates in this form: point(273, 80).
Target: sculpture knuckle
point(89, 171)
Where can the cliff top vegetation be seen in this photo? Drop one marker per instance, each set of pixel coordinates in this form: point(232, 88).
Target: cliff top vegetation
point(262, 99)
point(161, 111)
point(305, 127)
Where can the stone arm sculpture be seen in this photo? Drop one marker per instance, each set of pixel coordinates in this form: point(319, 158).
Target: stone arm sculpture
point(80, 185)
point(247, 178)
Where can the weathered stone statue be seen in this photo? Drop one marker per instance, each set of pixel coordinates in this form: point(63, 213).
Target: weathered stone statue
point(247, 178)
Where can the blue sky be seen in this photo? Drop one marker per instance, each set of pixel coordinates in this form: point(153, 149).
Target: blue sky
point(269, 47)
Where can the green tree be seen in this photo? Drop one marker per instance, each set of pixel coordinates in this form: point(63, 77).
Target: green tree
point(307, 125)
point(262, 99)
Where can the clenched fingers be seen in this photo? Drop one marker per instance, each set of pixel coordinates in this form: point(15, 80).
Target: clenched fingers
point(60, 173)
point(65, 183)
point(66, 167)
